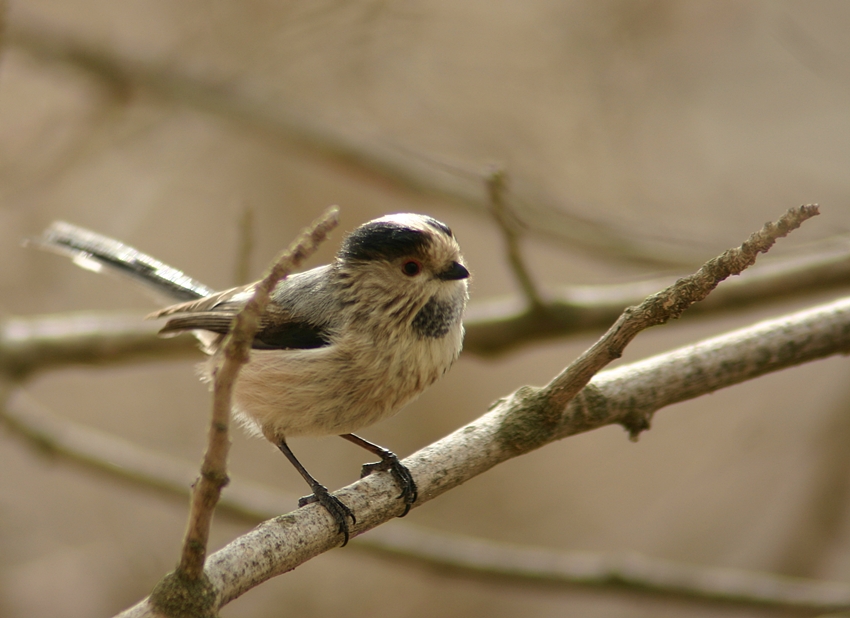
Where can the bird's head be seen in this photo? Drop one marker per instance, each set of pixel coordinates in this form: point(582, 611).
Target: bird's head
point(401, 262)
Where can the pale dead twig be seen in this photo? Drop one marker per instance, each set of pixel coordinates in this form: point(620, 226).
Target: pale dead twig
point(509, 225)
point(187, 586)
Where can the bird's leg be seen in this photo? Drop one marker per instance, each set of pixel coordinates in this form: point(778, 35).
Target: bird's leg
point(390, 462)
point(332, 504)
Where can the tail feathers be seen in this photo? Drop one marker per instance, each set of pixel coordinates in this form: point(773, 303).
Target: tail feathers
point(100, 253)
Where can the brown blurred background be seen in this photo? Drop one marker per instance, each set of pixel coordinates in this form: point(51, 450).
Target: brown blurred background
point(686, 123)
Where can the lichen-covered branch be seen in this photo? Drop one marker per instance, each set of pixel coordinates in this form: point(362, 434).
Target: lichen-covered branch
point(656, 382)
point(517, 424)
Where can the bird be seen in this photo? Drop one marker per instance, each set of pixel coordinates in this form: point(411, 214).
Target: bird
point(339, 347)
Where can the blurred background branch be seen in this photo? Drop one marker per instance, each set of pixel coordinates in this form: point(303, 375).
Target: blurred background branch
point(366, 157)
point(28, 344)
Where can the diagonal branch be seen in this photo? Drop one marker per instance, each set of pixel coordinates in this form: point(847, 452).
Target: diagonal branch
point(669, 378)
point(666, 305)
point(526, 420)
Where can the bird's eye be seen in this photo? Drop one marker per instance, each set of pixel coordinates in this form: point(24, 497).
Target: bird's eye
point(411, 268)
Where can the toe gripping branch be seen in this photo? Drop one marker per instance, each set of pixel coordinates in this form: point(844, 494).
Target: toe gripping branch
point(389, 462)
point(333, 505)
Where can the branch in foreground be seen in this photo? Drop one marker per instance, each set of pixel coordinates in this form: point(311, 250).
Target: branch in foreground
point(523, 422)
point(106, 453)
point(610, 398)
point(185, 588)
point(668, 304)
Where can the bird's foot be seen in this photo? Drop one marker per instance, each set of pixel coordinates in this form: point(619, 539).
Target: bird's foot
point(332, 505)
point(389, 462)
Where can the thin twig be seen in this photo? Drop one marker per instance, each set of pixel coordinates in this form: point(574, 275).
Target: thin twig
point(234, 351)
point(669, 304)
point(245, 247)
point(497, 185)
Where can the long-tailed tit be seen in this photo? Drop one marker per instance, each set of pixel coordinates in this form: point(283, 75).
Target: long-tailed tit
point(340, 347)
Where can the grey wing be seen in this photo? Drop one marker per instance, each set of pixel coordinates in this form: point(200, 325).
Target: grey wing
point(302, 314)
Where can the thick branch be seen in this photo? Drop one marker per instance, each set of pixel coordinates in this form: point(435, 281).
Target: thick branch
point(610, 398)
point(640, 388)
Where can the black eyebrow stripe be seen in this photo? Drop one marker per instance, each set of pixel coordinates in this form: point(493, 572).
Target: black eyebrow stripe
point(383, 240)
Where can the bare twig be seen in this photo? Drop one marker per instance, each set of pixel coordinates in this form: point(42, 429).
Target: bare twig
point(245, 247)
point(668, 304)
point(508, 223)
point(171, 593)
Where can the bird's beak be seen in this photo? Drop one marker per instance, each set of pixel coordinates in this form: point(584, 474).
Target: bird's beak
point(454, 272)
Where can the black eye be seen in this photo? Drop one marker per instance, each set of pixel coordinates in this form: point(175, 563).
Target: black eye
point(411, 268)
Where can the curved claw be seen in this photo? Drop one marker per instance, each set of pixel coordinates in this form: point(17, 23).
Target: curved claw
point(333, 505)
point(389, 462)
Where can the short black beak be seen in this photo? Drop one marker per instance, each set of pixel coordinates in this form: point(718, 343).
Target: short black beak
point(454, 272)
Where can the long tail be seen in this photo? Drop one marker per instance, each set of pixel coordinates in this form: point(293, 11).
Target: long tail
point(99, 253)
